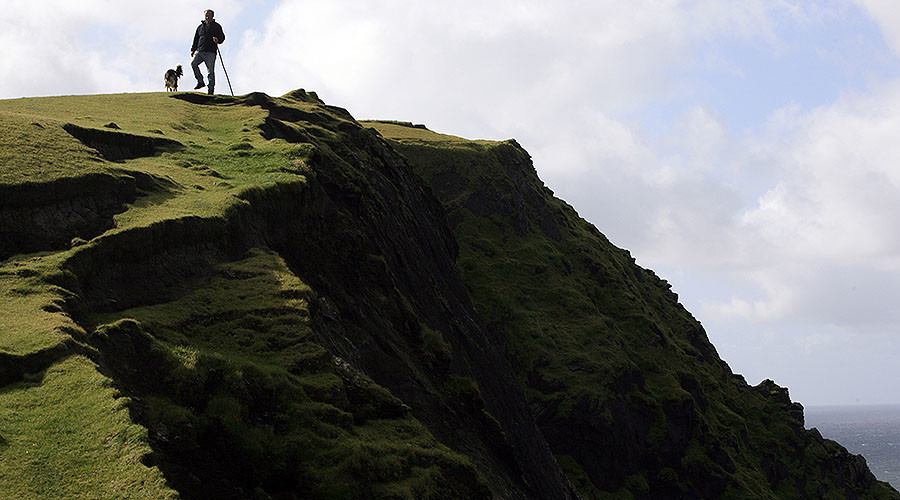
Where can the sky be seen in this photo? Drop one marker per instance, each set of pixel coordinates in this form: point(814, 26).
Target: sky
point(748, 151)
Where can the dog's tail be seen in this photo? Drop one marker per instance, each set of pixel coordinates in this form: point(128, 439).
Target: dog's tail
point(178, 71)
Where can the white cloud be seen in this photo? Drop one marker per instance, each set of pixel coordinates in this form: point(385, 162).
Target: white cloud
point(703, 138)
point(502, 64)
point(821, 244)
point(884, 12)
point(94, 46)
point(839, 196)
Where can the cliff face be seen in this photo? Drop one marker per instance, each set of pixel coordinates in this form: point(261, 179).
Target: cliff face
point(623, 381)
point(270, 296)
point(257, 297)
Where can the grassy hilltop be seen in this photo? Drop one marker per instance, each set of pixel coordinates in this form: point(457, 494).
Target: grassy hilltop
point(145, 351)
point(259, 297)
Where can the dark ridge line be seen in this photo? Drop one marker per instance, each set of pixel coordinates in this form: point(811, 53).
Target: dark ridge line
point(120, 146)
point(14, 367)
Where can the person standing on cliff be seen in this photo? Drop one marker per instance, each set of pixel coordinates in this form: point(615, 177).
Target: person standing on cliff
point(206, 45)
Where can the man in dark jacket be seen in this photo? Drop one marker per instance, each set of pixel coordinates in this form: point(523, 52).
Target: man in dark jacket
point(206, 45)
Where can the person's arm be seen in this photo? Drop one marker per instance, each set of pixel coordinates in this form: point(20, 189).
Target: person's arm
point(196, 40)
point(220, 36)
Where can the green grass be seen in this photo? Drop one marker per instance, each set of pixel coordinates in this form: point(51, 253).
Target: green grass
point(239, 364)
point(410, 134)
point(254, 308)
point(224, 153)
point(224, 156)
point(225, 369)
point(59, 427)
point(31, 316)
point(37, 149)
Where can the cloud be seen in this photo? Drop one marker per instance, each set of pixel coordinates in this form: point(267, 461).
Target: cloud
point(499, 65)
point(838, 197)
point(884, 12)
point(93, 46)
point(821, 242)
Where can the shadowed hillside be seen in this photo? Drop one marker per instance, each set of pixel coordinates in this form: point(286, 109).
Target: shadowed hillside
point(623, 381)
point(257, 297)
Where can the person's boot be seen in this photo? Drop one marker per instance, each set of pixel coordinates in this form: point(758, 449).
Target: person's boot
point(209, 91)
point(200, 85)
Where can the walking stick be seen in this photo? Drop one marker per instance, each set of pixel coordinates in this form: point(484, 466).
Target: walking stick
point(225, 70)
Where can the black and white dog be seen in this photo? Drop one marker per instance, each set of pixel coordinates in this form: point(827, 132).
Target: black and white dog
point(172, 77)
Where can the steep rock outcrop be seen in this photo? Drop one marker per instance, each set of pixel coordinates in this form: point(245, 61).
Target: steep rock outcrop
point(384, 309)
point(623, 381)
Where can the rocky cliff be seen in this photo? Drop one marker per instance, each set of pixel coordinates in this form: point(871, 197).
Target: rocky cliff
point(259, 297)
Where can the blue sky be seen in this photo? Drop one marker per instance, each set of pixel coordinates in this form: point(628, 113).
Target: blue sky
point(746, 150)
point(805, 64)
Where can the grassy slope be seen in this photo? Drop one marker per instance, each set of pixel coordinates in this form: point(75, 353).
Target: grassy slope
point(68, 433)
point(628, 390)
point(223, 155)
point(222, 369)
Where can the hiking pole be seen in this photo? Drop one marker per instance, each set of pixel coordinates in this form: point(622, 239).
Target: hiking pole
point(225, 70)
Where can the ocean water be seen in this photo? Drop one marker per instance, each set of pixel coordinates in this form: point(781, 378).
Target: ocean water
point(871, 431)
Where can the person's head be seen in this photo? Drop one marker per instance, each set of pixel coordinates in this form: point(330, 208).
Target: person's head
point(208, 14)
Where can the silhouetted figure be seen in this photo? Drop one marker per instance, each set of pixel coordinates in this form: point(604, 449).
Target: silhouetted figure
point(204, 49)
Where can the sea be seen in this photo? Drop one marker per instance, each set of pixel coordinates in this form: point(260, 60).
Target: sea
point(870, 431)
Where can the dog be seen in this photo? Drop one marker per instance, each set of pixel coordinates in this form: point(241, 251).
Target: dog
point(172, 77)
